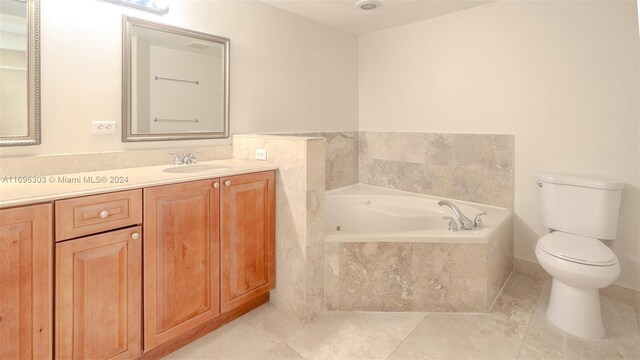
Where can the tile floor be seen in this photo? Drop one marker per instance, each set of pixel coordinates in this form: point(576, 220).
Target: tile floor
point(516, 329)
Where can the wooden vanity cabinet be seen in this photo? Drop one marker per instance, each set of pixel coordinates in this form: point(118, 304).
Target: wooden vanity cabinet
point(98, 287)
point(26, 282)
point(181, 259)
point(98, 296)
point(209, 255)
point(247, 241)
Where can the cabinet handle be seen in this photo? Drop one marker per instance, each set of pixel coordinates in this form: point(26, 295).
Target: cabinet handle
point(135, 236)
point(216, 185)
point(104, 214)
point(228, 182)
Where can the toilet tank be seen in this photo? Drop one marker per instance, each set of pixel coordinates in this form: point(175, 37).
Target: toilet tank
point(580, 205)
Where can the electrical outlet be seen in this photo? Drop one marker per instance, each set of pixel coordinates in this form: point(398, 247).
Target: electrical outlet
point(261, 154)
point(104, 127)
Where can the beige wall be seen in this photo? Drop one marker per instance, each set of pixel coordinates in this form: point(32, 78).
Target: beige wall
point(562, 76)
point(287, 73)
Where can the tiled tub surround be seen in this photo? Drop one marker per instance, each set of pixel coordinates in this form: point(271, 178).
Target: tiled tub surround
point(299, 221)
point(470, 167)
point(341, 157)
point(427, 269)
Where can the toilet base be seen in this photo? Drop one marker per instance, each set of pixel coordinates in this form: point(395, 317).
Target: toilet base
point(576, 310)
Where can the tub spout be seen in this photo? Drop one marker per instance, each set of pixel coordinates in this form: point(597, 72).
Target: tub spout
point(465, 222)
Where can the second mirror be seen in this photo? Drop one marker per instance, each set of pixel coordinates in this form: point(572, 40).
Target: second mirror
point(175, 83)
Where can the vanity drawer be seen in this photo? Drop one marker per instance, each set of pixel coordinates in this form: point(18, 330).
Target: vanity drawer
point(93, 214)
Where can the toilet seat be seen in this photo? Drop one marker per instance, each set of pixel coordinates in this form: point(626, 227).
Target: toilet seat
point(577, 249)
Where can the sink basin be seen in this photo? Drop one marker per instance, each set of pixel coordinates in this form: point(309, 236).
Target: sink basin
point(183, 169)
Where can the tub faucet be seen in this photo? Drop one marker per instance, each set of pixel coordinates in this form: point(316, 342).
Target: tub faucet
point(465, 222)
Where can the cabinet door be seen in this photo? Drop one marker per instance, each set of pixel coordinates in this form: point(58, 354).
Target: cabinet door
point(26, 282)
point(247, 238)
point(181, 266)
point(98, 291)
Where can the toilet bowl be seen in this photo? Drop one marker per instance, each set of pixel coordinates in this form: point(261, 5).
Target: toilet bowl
point(580, 266)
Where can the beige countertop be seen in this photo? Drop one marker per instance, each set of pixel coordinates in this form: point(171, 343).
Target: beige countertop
point(18, 190)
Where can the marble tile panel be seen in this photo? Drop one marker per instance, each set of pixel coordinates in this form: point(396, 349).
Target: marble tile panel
point(544, 341)
point(315, 208)
point(282, 351)
point(621, 293)
point(230, 342)
point(452, 336)
point(637, 308)
point(342, 159)
point(514, 307)
point(500, 259)
point(525, 287)
point(299, 212)
point(375, 276)
point(619, 317)
point(398, 324)
point(471, 167)
point(332, 275)
point(270, 317)
point(509, 316)
point(449, 277)
point(516, 328)
point(530, 268)
point(342, 156)
point(337, 335)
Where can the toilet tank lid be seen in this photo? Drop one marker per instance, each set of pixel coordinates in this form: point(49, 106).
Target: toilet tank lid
point(584, 181)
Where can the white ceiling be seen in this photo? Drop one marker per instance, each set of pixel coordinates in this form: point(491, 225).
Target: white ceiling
point(345, 16)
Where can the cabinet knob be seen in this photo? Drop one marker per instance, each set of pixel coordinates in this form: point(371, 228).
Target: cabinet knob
point(228, 182)
point(216, 185)
point(135, 236)
point(104, 214)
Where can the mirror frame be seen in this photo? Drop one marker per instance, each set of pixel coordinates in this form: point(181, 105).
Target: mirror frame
point(127, 135)
point(33, 136)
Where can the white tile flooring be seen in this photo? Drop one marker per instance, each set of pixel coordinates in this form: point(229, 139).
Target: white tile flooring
point(516, 329)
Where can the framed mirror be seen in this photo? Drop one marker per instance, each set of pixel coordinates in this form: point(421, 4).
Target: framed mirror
point(19, 72)
point(175, 83)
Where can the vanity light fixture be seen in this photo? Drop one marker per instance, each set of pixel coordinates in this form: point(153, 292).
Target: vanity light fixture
point(368, 4)
point(159, 7)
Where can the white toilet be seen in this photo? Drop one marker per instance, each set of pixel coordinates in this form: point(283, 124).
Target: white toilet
point(578, 211)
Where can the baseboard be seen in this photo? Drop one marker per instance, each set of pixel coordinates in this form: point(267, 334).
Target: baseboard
point(621, 293)
point(529, 268)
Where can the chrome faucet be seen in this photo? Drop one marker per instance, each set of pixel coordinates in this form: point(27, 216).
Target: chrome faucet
point(189, 159)
point(453, 225)
point(186, 159)
point(465, 222)
point(177, 160)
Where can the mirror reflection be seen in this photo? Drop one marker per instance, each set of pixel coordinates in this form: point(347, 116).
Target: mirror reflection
point(18, 113)
point(178, 83)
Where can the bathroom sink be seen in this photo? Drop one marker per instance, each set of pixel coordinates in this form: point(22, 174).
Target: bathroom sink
point(184, 169)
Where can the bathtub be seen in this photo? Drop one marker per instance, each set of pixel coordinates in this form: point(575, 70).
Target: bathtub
point(390, 250)
point(367, 213)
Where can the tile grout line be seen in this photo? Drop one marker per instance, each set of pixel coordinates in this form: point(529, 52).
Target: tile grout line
point(385, 331)
point(526, 332)
point(406, 337)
